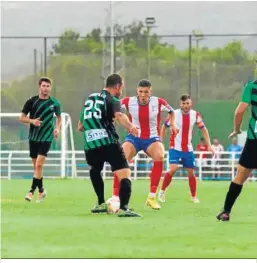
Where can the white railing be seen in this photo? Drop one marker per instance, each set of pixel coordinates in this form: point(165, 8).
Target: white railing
point(66, 139)
point(17, 164)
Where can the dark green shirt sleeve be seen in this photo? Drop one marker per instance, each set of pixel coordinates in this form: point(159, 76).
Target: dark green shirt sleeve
point(116, 107)
point(81, 116)
point(247, 94)
point(57, 109)
point(27, 106)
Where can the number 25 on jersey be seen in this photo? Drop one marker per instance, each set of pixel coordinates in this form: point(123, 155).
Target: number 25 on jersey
point(92, 109)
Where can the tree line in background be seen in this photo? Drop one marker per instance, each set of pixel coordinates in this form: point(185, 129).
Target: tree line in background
point(75, 63)
point(134, 42)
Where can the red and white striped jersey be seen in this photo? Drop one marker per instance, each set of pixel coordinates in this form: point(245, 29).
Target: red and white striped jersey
point(146, 117)
point(185, 123)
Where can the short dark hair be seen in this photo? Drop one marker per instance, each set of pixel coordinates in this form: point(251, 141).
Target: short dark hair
point(113, 80)
point(44, 79)
point(144, 83)
point(185, 97)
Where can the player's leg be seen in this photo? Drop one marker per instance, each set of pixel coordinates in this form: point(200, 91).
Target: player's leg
point(234, 191)
point(130, 148)
point(174, 158)
point(39, 175)
point(188, 161)
point(95, 158)
point(247, 163)
point(192, 182)
point(33, 154)
point(43, 149)
point(120, 166)
point(155, 150)
point(167, 181)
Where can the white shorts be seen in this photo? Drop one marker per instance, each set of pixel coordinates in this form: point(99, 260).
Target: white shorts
point(203, 162)
point(215, 164)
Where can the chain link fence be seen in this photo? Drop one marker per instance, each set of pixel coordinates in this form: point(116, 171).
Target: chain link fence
point(212, 68)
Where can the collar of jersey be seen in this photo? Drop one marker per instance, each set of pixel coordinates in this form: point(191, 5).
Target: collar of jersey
point(184, 112)
point(45, 99)
point(143, 104)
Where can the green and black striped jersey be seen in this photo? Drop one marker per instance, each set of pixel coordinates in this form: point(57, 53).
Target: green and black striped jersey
point(43, 109)
point(97, 118)
point(250, 96)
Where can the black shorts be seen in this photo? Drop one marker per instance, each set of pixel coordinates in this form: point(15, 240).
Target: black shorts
point(248, 158)
point(112, 153)
point(39, 148)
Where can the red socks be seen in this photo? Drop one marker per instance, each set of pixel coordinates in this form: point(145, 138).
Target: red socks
point(166, 181)
point(156, 175)
point(116, 185)
point(192, 185)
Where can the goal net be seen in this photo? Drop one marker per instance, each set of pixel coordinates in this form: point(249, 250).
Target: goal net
point(15, 160)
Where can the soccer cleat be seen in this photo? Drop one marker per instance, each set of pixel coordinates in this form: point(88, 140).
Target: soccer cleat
point(195, 200)
point(161, 197)
point(29, 196)
point(127, 213)
point(223, 216)
point(151, 202)
point(41, 197)
point(102, 208)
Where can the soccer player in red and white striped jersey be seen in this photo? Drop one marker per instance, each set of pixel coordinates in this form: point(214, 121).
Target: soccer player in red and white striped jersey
point(181, 149)
point(144, 111)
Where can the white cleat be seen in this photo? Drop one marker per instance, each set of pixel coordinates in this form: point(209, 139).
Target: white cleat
point(195, 200)
point(161, 197)
point(29, 196)
point(41, 197)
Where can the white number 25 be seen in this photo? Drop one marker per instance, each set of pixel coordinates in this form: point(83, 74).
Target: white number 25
point(96, 105)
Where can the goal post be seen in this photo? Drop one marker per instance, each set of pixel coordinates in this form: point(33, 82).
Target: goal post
point(14, 142)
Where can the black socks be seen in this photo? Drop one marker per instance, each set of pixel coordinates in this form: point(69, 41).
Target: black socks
point(125, 193)
point(98, 184)
point(232, 194)
point(37, 183)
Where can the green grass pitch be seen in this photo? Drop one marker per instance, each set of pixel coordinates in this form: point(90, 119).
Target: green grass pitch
point(62, 226)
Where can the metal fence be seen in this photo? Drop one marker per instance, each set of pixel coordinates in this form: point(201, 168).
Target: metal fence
point(209, 67)
point(17, 164)
point(189, 63)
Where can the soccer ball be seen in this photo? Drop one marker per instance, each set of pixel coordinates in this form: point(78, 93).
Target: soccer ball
point(113, 205)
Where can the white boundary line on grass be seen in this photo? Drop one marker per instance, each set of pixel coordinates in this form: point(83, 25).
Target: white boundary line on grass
point(128, 260)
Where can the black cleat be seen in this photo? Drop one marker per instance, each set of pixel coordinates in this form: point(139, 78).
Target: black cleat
point(100, 209)
point(127, 213)
point(223, 216)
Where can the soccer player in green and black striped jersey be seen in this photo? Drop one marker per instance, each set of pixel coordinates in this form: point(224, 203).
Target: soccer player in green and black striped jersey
point(41, 110)
point(101, 142)
point(248, 158)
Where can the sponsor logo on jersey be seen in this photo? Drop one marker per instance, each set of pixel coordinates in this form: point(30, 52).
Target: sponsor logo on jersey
point(96, 134)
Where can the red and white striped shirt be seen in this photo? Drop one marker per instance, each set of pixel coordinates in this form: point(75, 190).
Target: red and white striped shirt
point(146, 117)
point(185, 123)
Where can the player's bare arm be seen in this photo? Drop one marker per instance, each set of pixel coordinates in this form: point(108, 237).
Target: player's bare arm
point(205, 134)
point(163, 132)
point(25, 119)
point(58, 125)
point(124, 122)
point(173, 126)
point(238, 118)
point(80, 127)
